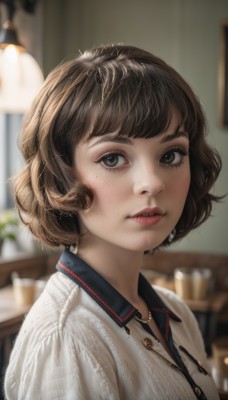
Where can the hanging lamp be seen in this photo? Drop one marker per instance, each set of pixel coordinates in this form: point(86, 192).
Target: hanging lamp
point(20, 74)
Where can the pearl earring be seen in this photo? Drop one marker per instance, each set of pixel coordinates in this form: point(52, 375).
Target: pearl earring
point(74, 248)
point(172, 235)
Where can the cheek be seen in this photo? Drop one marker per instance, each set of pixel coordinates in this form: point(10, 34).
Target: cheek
point(185, 186)
point(105, 192)
point(181, 186)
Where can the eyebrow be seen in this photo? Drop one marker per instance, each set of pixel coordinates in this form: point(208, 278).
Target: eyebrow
point(175, 135)
point(126, 140)
point(112, 138)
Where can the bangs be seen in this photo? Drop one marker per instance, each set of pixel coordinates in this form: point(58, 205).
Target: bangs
point(134, 97)
point(140, 105)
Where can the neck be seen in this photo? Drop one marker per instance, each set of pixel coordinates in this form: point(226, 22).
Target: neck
point(118, 266)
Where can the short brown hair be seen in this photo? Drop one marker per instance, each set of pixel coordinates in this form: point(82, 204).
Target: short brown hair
point(110, 88)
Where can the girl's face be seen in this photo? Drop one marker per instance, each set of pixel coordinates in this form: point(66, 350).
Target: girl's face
point(139, 187)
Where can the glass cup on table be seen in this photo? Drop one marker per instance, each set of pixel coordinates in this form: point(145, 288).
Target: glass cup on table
point(24, 291)
point(201, 279)
point(183, 282)
point(192, 284)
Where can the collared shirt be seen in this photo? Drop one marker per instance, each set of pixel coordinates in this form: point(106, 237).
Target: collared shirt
point(82, 340)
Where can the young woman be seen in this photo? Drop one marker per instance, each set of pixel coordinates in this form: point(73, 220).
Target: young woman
point(116, 165)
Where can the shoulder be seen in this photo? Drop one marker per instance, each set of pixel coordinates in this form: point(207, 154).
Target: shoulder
point(56, 341)
point(50, 312)
point(64, 315)
point(61, 309)
point(46, 324)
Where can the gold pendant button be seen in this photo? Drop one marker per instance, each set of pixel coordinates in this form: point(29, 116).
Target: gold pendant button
point(148, 343)
point(197, 391)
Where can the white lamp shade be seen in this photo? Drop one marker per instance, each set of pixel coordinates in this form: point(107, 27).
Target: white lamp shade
point(20, 80)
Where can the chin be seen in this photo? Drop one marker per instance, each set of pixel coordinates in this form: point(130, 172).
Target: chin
point(146, 248)
point(152, 245)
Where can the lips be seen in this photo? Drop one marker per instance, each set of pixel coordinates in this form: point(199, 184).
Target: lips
point(148, 216)
point(148, 212)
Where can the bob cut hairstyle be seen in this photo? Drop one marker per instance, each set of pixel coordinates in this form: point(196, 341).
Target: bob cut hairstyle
point(111, 88)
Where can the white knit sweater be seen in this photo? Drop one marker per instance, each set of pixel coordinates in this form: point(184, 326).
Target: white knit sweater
point(70, 349)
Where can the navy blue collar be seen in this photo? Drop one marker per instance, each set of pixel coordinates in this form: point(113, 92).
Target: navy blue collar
point(119, 309)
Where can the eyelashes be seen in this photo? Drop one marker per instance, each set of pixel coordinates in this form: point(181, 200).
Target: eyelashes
point(172, 158)
point(112, 160)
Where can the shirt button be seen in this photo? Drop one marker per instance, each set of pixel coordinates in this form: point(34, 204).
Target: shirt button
point(197, 391)
point(148, 343)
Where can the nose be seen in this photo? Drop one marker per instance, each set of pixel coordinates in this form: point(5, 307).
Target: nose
point(148, 181)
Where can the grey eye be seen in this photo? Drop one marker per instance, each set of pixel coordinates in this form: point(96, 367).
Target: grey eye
point(112, 160)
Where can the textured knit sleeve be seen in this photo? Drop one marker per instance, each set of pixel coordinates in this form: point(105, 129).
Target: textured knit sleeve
point(59, 368)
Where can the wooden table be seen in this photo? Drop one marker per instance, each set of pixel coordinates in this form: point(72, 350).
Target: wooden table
point(207, 313)
point(213, 303)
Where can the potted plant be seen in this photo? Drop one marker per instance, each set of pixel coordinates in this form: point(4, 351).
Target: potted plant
point(8, 223)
